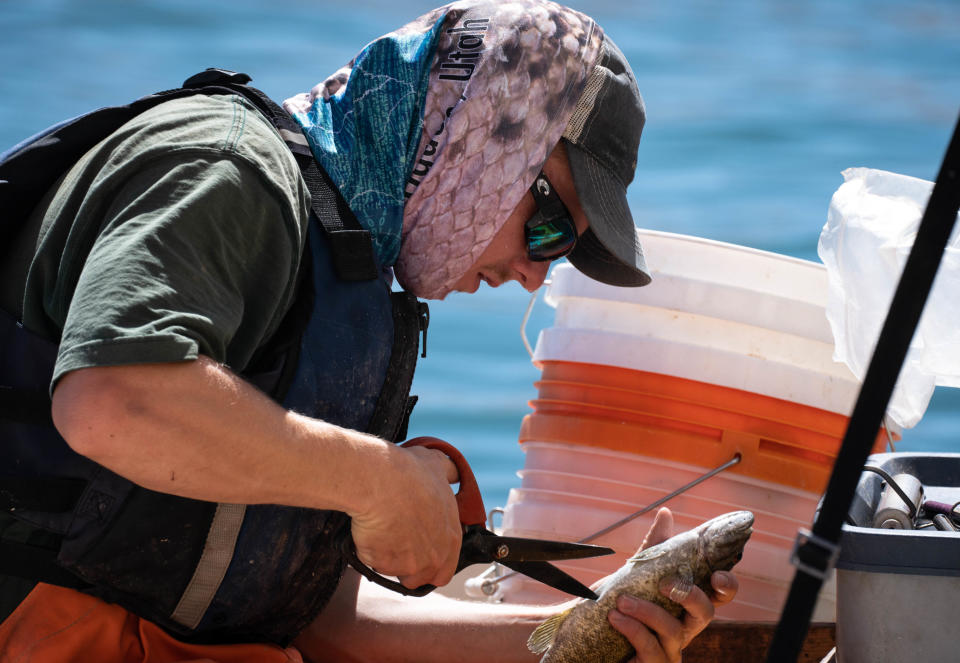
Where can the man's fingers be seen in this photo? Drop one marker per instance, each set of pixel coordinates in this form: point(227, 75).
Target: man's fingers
point(643, 640)
point(696, 604)
point(449, 468)
point(427, 577)
point(448, 569)
point(725, 587)
point(440, 462)
point(434, 572)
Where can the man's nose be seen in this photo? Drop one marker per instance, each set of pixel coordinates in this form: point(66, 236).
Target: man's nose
point(530, 274)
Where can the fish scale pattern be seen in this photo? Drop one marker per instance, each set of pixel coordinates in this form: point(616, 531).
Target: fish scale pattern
point(504, 81)
point(434, 132)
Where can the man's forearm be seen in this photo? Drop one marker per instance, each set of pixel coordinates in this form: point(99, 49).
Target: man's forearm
point(364, 622)
point(196, 430)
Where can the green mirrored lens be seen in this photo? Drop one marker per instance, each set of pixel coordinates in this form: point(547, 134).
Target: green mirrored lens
point(551, 240)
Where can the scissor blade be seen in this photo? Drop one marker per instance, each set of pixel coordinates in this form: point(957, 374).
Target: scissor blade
point(525, 550)
point(550, 575)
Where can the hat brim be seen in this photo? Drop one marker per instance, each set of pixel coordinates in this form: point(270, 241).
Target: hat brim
point(609, 251)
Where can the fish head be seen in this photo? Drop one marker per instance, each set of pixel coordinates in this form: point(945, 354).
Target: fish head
point(722, 539)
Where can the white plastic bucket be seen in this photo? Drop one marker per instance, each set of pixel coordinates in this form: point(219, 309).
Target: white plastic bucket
point(727, 352)
point(716, 313)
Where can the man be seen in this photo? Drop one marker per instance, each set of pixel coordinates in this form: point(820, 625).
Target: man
point(228, 362)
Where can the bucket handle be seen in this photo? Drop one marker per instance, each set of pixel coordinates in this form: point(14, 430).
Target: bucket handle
point(526, 318)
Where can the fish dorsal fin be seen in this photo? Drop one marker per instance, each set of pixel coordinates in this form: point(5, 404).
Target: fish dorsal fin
point(542, 636)
point(647, 555)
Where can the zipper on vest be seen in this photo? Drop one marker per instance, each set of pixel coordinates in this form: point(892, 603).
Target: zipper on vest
point(423, 320)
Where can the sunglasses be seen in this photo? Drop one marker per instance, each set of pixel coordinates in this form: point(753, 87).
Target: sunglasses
point(550, 232)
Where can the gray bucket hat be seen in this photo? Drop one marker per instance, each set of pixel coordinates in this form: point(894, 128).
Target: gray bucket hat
point(602, 139)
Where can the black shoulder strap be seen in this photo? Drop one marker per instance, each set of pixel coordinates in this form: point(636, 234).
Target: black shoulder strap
point(815, 551)
point(28, 170)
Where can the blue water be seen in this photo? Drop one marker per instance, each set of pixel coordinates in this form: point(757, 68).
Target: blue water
point(754, 108)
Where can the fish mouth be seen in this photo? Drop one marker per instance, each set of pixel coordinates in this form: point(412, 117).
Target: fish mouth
point(737, 522)
point(722, 540)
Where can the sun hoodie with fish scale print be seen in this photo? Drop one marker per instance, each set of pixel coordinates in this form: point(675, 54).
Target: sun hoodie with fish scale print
point(474, 95)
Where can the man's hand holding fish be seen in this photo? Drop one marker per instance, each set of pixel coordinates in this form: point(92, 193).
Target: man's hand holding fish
point(671, 574)
point(657, 635)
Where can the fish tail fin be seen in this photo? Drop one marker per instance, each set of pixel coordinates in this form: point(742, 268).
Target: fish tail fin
point(543, 636)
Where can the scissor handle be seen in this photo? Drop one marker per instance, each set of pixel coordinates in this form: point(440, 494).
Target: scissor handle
point(469, 502)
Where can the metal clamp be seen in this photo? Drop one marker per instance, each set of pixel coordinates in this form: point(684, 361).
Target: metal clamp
point(911, 504)
point(825, 552)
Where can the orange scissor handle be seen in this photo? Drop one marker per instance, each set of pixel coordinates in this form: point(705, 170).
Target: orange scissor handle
point(469, 502)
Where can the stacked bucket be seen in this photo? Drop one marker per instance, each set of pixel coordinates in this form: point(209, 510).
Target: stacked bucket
point(643, 390)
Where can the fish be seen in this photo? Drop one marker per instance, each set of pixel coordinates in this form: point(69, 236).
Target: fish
point(582, 632)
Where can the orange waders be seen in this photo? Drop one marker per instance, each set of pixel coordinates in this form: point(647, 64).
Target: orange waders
point(59, 625)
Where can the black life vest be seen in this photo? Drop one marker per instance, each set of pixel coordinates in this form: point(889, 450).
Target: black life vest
point(206, 572)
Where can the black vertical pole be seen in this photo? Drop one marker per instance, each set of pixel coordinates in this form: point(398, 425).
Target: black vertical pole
point(814, 553)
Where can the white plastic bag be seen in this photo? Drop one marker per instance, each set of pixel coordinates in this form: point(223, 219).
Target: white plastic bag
point(872, 222)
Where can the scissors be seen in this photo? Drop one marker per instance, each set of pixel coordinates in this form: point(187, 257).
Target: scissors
point(480, 545)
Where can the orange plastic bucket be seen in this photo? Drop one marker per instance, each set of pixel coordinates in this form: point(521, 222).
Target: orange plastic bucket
point(686, 421)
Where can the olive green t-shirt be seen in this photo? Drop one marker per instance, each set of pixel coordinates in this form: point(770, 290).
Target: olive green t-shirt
point(179, 234)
